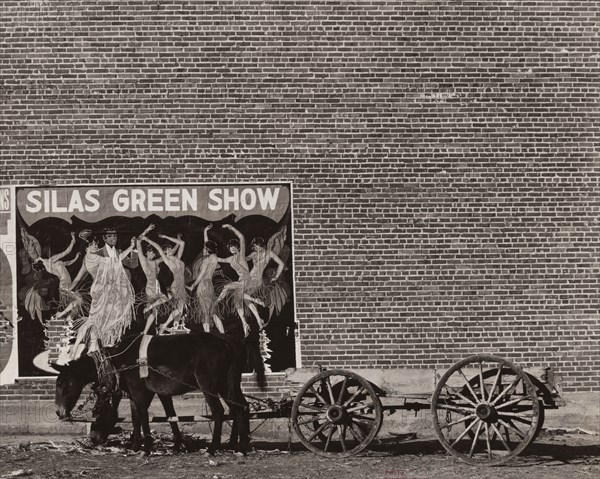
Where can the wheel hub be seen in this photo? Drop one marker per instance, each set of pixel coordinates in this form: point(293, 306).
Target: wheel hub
point(335, 414)
point(484, 411)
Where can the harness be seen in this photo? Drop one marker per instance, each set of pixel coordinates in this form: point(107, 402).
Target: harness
point(108, 377)
point(143, 355)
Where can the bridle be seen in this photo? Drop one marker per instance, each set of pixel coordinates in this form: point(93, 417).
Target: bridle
point(107, 387)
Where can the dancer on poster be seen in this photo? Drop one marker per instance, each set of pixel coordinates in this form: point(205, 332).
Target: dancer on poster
point(204, 302)
point(111, 309)
point(177, 296)
point(236, 289)
point(149, 262)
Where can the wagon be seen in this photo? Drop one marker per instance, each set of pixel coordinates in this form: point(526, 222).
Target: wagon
point(485, 410)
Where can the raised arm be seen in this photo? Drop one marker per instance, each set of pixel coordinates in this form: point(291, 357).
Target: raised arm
point(206, 232)
point(146, 231)
point(128, 250)
point(240, 236)
point(156, 247)
point(178, 242)
point(59, 256)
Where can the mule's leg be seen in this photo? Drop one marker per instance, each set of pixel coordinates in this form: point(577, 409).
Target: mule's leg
point(167, 402)
point(216, 408)
point(233, 439)
point(136, 438)
point(142, 401)
point(238, 407)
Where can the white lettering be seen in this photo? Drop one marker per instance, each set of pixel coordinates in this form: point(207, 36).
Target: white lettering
point(55, 206)
point(4, 199)
point(76, 203)
point(172, 199)
point(46, 201)
point(137, 200)
point(92, 197)
point(190, 200)
point(34, 204)
point(154, 199)
point(248, 204)
point(267, 198)
point(214, 196)
point(248, 199)
point(121, 200)
point(231, 199)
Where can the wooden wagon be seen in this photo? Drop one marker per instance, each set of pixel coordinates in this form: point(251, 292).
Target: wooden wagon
point(485, 410)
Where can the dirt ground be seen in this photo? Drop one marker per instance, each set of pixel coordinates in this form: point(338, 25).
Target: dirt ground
point(554, 455)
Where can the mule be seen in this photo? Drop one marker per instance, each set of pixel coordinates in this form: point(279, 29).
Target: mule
point(177, 364)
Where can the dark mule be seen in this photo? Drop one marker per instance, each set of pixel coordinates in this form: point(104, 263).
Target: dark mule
point(177, 364)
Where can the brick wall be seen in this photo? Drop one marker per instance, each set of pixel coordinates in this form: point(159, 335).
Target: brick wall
point(443, 153)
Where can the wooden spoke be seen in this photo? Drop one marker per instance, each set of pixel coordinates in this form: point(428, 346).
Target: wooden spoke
point(328, 382)
point(357, 437)
point(464, 433)
point(363, 418)
point(504, 443)
point(359, 407)
point(503, 393)
point(496, 381)
point(516, 414)
point(481, 384)
point(487, 441)
point(319, 430)
point(510, 403)
point(464, 398)
point(342, 432)
point(525, 422)
point(310, 406)
point(354, 396)
point(342, 391)
point(479, 426)
point(458, 421)
point(462, 410)
point(318, 395)
point(468, 384)
point(331, 431)
point(311, 420)
point(512, 428)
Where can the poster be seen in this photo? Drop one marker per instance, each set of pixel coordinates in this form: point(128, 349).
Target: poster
point(95, 263)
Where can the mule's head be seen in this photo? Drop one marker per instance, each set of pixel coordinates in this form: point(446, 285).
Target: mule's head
point(105, 413)
point(70, 382)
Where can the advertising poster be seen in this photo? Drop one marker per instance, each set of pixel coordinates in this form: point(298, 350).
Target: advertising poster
point(94, 263)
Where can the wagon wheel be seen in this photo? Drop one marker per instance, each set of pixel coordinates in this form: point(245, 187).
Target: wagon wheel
point(340, 423)
point(492, 373)
point(485, 418)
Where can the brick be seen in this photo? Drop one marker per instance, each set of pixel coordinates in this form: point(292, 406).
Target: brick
point(444, 166)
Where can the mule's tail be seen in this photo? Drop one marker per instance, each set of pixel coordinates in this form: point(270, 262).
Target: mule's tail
point(254, 360)
point(247, 356)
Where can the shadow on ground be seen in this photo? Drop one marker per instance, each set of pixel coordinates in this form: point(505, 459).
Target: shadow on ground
point(541, 452)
